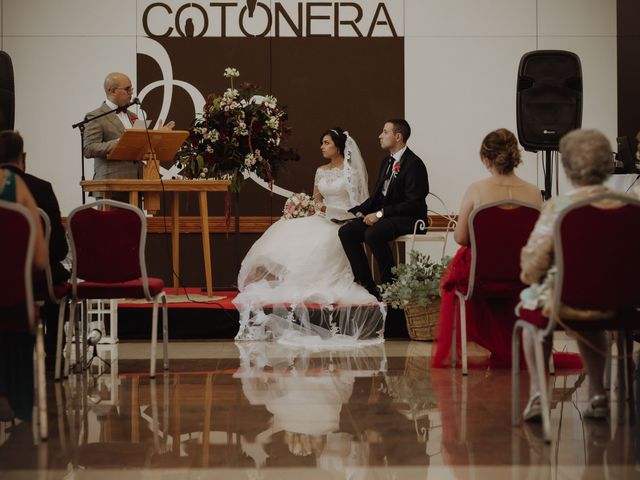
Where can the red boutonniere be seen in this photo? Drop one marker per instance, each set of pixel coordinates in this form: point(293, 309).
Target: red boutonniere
point(396, 167)
point(133, 117)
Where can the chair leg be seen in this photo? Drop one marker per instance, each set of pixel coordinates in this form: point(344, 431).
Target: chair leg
point(515, 374)
point(542, 380)
point(552, 366)
point(165, 330)
point(83, 334)
point(154, 337)
point(463, 334)
point(454, 336)
point(70, 333)
point(41, 390)
point(59, 344)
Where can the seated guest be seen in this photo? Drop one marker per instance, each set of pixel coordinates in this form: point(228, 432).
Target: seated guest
point(16, 349)
point(13, 158)
point(488, 323)
point(586, 158)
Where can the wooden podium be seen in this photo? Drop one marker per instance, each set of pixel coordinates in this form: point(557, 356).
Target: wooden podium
point(152, 146)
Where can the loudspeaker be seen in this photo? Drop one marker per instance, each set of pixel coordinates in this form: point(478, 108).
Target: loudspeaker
point(7, 97)
point(549, 98)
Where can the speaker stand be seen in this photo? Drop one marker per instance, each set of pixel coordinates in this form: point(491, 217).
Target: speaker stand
point(548, 174)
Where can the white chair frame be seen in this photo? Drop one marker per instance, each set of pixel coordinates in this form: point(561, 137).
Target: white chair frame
point(145, 285)
point(539, 334)
point(35, 324)
point(410, 240)
point(461, 297)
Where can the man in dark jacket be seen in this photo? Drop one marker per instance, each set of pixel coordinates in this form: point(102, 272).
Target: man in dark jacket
point(397, 201)
point(13, 157)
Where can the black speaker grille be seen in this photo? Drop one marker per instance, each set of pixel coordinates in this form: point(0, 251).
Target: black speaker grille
point(549, 98)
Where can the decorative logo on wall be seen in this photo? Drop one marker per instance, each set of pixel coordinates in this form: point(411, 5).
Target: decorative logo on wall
point(275, 19)
point(328, 62)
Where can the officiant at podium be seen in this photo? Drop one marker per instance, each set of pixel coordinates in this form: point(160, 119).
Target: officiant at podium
point(103, 134)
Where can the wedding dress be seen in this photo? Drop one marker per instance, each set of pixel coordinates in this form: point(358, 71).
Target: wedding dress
point(296, 284)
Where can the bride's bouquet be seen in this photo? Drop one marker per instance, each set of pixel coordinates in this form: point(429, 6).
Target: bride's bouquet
point(299, 205)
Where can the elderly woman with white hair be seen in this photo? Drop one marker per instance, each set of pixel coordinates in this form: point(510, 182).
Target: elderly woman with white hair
point(586, 159)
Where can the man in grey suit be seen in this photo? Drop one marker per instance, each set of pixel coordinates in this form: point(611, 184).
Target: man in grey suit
point(102, 135)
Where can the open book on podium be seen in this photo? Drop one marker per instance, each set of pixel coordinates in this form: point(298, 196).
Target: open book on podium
point(153, 147)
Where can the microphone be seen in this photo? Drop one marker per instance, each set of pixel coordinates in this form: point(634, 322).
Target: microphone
point(94, 337)
point(134, 101)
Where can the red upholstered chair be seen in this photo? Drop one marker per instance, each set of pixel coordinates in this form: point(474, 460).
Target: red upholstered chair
point(107, 248)
point(18, 313)
point(598, 259)
point(497, 231)
point(55, 293)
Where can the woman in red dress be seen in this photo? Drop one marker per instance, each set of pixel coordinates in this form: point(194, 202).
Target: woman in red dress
point(489, 322)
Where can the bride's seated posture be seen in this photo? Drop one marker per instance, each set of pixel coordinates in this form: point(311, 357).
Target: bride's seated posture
point(296, 283)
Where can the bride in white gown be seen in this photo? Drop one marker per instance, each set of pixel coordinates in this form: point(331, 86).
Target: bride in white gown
point(296, 284)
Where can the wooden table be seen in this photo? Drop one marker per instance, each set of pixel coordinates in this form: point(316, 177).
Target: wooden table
point(134, 187)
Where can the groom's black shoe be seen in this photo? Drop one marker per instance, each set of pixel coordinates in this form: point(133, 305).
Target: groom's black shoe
point(395, 325)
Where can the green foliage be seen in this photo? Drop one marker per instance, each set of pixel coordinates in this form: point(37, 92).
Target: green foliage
point(416, 282)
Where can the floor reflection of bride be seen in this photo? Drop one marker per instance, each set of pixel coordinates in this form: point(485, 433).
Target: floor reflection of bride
point(296, 284)
point(305, 393)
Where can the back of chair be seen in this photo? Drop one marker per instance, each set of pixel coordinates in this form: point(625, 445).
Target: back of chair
point(598, 254)
point(498, 231)
point(107, 245)
point(17, 245)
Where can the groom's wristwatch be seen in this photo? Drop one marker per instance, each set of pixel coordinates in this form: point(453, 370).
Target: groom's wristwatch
point(379, 214)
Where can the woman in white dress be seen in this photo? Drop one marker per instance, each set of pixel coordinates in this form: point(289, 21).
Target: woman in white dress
point(296, 285)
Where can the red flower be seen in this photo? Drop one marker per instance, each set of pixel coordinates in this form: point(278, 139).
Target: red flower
point(396, 167)
point(133, 117)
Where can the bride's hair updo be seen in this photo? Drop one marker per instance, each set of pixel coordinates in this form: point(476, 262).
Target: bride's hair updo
point(338, 136)
point(500, 148)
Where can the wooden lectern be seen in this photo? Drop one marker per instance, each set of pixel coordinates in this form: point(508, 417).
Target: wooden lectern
point(152, 146)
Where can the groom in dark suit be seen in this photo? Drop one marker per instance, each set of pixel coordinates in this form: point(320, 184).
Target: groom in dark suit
point(397, 201)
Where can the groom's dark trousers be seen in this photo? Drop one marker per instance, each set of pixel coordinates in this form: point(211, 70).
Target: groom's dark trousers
point(403, 204)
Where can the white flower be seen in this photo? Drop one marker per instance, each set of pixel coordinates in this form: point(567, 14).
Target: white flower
point(241, 129)
point(249, 160)
point(213, 135)
point(230, 94)
point(231, 72)
point(270, 101)
point(273, 123)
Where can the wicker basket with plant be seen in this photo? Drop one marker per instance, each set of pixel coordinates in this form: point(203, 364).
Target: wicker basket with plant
point(416, 289)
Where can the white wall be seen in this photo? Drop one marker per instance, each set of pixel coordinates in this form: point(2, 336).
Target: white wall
point(461, 60)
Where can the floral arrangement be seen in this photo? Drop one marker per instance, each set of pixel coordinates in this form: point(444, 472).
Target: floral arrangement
point(299, 205)
point(238, 132)
point(416, 282)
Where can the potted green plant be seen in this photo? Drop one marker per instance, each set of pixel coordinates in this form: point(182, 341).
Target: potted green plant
point(416, 289)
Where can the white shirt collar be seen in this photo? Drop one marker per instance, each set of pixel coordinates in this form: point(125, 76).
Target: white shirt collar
point(110, 104)
point(398, 155)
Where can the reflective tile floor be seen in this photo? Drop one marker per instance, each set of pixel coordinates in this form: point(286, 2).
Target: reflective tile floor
point(262, 411)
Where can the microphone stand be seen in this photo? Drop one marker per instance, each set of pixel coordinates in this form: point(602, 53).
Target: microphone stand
point(82, 125)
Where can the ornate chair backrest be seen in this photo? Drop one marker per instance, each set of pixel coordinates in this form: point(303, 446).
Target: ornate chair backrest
point(107, 246)
point(498, 231)
point(17, 310)
point(597, 253)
